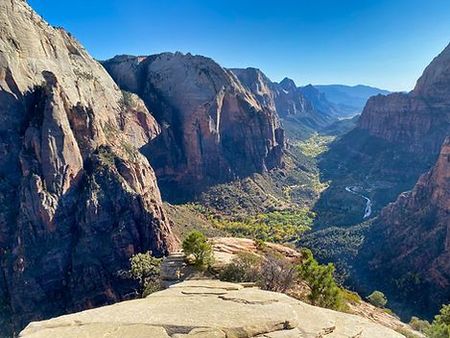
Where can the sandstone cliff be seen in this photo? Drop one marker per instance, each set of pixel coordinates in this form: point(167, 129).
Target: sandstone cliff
point(410, 243)
point(209, 308)
point(419, 120)
point(303, 110)
point(213, 128)
point(397, 139)
point(76, 197)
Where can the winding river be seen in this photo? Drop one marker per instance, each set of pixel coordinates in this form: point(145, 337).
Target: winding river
point(368, 210)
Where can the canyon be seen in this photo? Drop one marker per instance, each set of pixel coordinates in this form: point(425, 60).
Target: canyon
point(100, 161)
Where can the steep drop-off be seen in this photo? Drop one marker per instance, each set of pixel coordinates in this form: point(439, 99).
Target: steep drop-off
point(76, 197)
point(397, 139)
point(406, 251)
point(213, 128)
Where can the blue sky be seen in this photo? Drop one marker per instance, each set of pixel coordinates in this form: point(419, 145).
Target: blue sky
point(384, 43)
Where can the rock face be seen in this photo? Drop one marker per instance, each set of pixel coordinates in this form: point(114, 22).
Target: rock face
point(209, 308)
point(302, 110)
point(76, 197)
point(410, 243)
point(397, 139)
point(213, 128)
point(419, 120)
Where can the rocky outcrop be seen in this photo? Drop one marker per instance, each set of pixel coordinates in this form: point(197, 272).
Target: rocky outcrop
point(302, 110)
point(213, 128)
point(76, 197)
point(419, 120)
point(410, 243)
point(209, 308)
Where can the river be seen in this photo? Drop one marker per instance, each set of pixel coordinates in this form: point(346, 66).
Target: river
point(368, 209)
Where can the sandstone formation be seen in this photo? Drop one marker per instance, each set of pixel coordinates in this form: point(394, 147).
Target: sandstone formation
point(410, 243)
point(302, 110)
point(213, 128)
point(76, 197)
point(174, 268)
point(209, 308)
point(397, 139)
point(419, 120)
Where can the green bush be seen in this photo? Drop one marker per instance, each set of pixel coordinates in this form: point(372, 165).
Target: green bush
point(378, 299)
point(419, 324)
point(324, 291)
point(440, 327)
point(196, 245)
point(146, 270)
point(277, 226)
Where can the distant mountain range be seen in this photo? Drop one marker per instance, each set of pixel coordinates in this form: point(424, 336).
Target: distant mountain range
point(349, 100)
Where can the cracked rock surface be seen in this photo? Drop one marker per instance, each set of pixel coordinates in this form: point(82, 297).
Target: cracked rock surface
point(209, 309)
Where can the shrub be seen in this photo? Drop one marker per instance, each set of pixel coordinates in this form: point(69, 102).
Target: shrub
point(319, 278)
point(440, 327)
point(378, 299)
point(146, 270)
point(277, 226)
point(277, 273)
point(245, 267)
point(419, 324)
point(196, 244)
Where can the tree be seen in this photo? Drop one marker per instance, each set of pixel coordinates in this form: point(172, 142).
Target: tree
point(146, 270)
point(440, 328)
point(319, 278)
point(196, 244)
point(378, 299)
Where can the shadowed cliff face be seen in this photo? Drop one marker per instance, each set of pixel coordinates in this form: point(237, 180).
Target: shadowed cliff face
point(213, 128)
point(76, 197)
point(408, 245)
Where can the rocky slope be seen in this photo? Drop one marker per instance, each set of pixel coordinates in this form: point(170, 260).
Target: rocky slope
point(410, 241)
point(209, 308)
point(302, 110)
point(213, 128)
point(76, 197)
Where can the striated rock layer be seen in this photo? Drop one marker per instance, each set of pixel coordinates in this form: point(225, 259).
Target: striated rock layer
point(410, 243)
point(76, 197)
point(213, 128)
point(419, 120)
point(210, 308)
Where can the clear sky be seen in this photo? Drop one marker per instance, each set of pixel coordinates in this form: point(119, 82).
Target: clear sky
point(384, 43)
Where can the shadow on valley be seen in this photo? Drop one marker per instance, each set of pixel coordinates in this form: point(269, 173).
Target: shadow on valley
point(370, 167)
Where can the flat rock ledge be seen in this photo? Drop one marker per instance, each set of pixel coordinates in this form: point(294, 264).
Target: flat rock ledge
point(209, 309)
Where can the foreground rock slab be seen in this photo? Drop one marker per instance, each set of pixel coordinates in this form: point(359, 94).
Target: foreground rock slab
point(209, 309)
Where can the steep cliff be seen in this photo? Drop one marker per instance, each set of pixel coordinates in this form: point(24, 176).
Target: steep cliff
point(410, 243)
point(419, 120)
point(303, 110)
point(76, 197)
point(397, 139)
point(213, 128)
